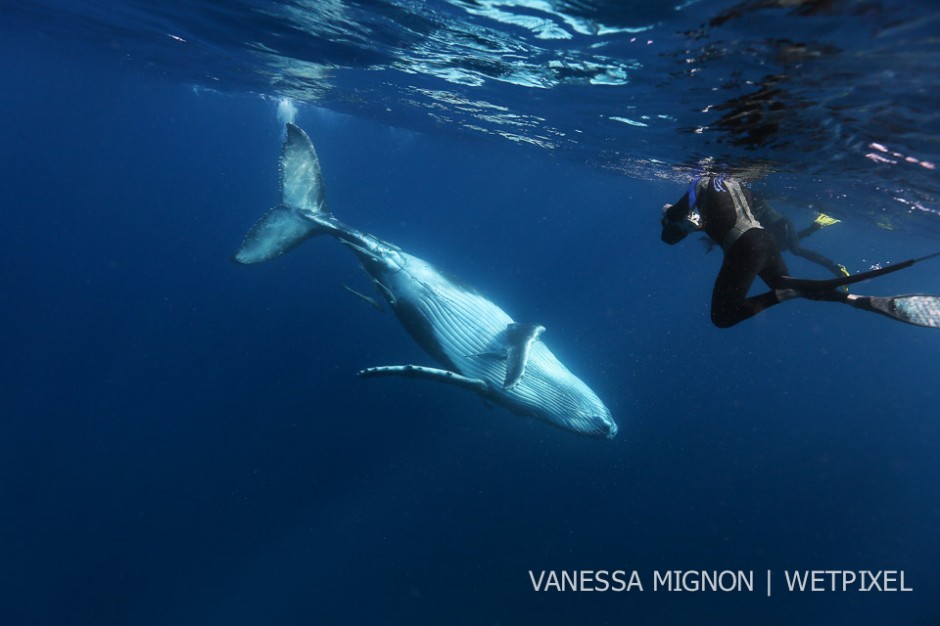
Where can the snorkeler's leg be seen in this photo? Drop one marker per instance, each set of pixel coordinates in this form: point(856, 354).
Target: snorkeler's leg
point(755, 252)
point(773, 268)
point(775, 274)
point(730, 292)
point(809, 230)
point(837, 270)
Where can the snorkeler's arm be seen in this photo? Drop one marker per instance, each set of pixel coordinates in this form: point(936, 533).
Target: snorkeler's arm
point(674, 215)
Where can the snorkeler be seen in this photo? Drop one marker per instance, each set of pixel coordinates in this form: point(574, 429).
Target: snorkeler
point(725, 210)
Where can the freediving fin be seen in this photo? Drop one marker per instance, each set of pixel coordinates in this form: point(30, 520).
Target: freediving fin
point(844, 271)
point(824, 220)
point(916, 309)
point(809, 288)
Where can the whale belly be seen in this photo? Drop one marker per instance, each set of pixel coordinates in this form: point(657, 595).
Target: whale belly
point(454, 324)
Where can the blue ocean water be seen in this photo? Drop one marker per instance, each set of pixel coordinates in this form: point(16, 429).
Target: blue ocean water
point(184, 441)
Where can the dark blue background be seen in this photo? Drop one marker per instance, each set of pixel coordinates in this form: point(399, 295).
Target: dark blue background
point(184, 441)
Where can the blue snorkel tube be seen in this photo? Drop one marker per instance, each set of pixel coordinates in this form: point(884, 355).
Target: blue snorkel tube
point(693, 199)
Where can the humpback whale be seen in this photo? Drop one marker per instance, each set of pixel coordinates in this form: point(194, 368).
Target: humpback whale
point(478, 345)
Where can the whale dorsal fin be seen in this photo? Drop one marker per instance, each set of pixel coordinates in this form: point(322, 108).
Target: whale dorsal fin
point(428, 373)
point(519, 340)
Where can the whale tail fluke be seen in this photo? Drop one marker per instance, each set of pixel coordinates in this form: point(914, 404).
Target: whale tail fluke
point(302, 213)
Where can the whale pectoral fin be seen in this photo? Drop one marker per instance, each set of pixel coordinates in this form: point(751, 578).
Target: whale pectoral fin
point(519, 340)
point(489, 355)
point(428, 373)
point(375, 304)
point(385, 291)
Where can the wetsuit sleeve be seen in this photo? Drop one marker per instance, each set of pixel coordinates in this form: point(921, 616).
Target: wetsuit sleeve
point(673, 216)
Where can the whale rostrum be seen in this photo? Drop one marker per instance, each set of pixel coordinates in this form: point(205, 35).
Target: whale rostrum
point(479, 346)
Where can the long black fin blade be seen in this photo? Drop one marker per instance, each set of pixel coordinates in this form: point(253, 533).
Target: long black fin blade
point(803, 284)
point(929, 256)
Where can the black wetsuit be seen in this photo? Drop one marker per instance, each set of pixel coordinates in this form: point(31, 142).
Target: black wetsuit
point(788, 238)
point(727, 213)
